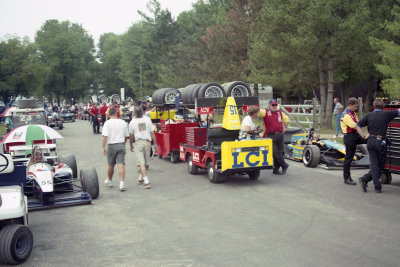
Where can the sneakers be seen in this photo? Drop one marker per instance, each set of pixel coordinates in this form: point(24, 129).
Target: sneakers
point(108, 183)
point(140, 182)
point(122, 188)
point(349, 181)
point(335, 136)
point(146, 186)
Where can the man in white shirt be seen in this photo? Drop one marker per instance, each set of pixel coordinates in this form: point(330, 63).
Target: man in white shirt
point(141, 132)
point(115, 134)
point(247, 130)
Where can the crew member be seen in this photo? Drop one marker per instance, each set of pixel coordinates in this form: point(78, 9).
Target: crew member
point(351, 138)
point(377, 122)
point(275, 124)
point(103, 110)
point(93, 111)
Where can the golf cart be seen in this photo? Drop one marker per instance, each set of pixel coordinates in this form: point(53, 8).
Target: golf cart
point(16, 239)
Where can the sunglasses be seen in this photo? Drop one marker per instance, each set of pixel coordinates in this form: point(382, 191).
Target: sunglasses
point(274, 105)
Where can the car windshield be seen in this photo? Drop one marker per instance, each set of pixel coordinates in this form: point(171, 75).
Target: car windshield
point(26, 118)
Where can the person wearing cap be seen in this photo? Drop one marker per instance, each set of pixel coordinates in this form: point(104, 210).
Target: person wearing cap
point(351, 138)
point(94, 111)
point(377, 122)
point(275, 124)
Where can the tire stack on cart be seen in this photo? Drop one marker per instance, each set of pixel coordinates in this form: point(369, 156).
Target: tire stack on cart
point(201, 90)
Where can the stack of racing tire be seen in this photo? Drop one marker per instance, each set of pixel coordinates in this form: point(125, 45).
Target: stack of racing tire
point(200, 90)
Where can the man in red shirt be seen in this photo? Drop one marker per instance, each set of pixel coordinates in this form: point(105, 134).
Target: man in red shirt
point(275, 124)
point(103, 110)
point(93, 111)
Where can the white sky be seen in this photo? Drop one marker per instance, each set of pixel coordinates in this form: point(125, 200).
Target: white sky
point(25, 17)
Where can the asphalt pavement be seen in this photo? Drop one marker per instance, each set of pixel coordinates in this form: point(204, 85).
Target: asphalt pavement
point(307, 217)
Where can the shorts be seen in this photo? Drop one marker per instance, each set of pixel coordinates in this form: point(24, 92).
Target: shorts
point(116, 154)
point(142, 150)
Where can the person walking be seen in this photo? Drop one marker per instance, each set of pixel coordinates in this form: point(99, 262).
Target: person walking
point(275, 124)
point(93, 111)
point(351, 138)
point(377, 123)
point(103, 110)
point(337, 113)
point(141, 134)
point(115, 135)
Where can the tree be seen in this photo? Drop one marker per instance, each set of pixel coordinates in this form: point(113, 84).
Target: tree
point(67, 50)
point(109, 72)
point(21, 73)
point(389, 51)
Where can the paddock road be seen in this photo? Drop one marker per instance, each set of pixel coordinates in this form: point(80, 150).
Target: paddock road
point(306, 218)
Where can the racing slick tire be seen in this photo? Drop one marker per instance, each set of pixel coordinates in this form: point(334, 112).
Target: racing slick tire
point(254, 175)
point(71, 162)
point(174, 156)
point(90, 182)
point(60, 125)
point(311, 156)
point(213, 175)
point(192, 169)
point(386, 177)
point(211, 90)
point(236, 89)
point(16, 243)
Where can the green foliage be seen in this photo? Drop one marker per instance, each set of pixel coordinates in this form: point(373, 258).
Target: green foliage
point(389, 51)
point(67, 50)
point(21, 73)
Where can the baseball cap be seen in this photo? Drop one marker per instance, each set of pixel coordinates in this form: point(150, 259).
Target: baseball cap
point(273, 101)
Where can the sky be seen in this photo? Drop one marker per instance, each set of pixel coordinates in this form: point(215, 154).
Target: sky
point(25, 17)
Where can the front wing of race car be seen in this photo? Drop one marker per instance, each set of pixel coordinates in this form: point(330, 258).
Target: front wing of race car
point(51, 201)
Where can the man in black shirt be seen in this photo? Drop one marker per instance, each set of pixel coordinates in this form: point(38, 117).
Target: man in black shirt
point(377, 122)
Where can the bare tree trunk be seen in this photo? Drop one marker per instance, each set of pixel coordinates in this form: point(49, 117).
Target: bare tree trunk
point(300, 96)
point(331, 90)
point(322, 88)
point(368, 99)
point(285, 96)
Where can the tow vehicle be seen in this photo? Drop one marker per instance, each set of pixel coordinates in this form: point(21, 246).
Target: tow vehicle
point(300, 146)
point(220, 152)
point(172, 130)
point(16, 239)
point(392, 164)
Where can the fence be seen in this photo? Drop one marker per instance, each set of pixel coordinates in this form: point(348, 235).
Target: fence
point(304, 116)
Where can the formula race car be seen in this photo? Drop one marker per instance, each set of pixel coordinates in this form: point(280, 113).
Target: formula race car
point(312, 151)
point(52, 184)
point(53, 120)
point(68, 116)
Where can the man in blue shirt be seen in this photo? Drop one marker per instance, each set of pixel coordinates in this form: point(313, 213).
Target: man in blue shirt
point(377, 122)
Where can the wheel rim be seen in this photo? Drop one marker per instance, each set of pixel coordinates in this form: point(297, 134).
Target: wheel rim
point(213, 91)
point(21, 246)
point(210, 172)
point(306, 156)
point(170, 97)
point(190, 164)
point(239, 90)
